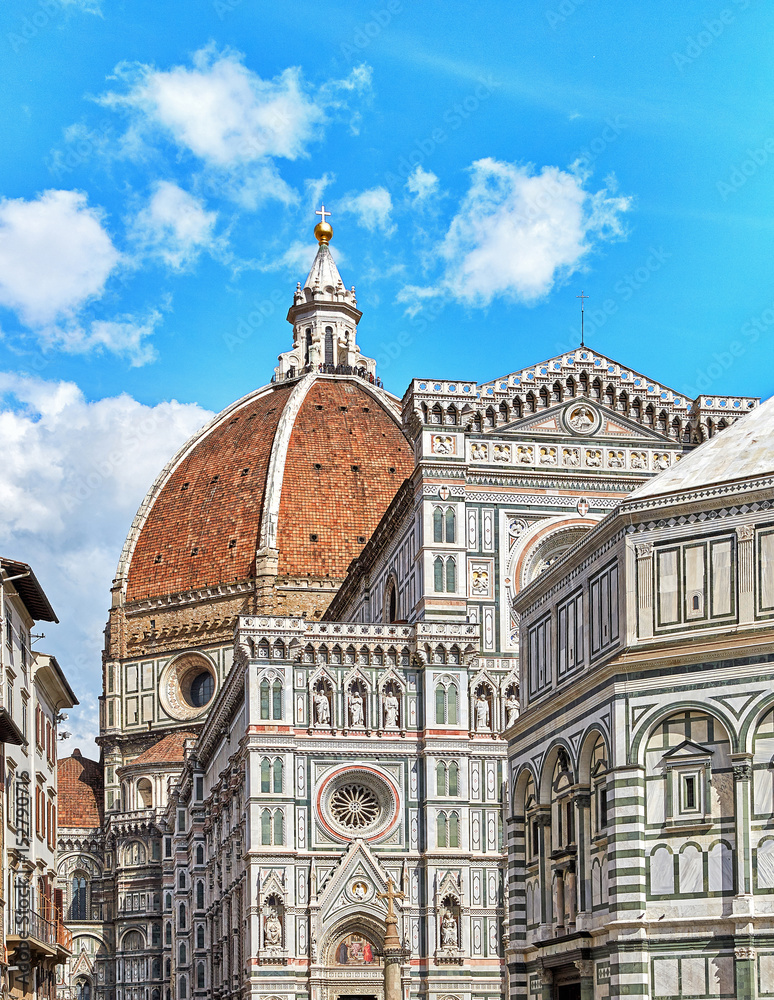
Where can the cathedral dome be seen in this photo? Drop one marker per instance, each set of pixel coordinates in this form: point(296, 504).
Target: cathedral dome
point(305, 467)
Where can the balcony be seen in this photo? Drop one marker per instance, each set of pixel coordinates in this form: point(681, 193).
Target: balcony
point(48, 936)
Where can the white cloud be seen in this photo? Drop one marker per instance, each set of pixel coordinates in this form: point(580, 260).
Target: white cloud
point(231, 119)
point(373, 209)
point(520, 230)
point(73, 474)
point(174, 226)
point(55, 255)
point(126, 337)
point(422, 183)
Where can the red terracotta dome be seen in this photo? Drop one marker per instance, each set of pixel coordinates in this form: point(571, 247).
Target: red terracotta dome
point(80, 792)
point(306, 468)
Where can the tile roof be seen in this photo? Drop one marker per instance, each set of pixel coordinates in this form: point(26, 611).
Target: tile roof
point(169, 750)
point(80, 792)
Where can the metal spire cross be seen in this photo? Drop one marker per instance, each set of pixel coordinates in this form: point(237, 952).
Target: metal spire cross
point(322, 213)
point(390, 895)
point(582, 297)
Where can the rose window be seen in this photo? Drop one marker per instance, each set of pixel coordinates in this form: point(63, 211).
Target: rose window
point(355, 806)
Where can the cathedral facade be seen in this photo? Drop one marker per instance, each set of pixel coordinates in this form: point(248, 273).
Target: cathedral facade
point(312, 673)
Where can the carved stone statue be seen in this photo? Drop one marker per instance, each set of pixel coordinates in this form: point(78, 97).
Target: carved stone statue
point(322, 710)
point(482, 712)
point(448, 930)
point(272, 931)
point(391, 710)
point(512, 709)
point(581, 419)
point(355, 705)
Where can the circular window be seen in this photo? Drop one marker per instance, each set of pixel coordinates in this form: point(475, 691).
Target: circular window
point(358, 802)
point(355, 806)
point(202, 689)
point(187, 686)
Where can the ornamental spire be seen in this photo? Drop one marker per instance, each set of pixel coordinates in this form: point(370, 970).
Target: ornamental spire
point(323, 230)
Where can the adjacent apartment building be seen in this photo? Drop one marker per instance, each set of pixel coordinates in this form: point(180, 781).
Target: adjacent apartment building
point(33, 693)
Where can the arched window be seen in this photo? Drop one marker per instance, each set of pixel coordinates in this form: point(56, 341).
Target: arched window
point(167, 969)
point(200, 895)
point(155, 935)
point(181, 917)
point(453, 783)
point(78, 899)
point(276, 700)
point(438, 575)
point(451, 705)
point(391, 601)
point(145, 793)
point(450, 523)
point(279, 827)
point(199, 854)
point(442, 830)
point(440, 777)
point(265, 775)
point(328, 345)
point(168, 901)
point(135, 854)
point(168, 933)
point(437, 524)
point(183, 991)
point(83, 990)
point(454, 830)
point(266, 827)
point(182, 955)
point(181, 880)
point(307, 344)
point(451, 576)
point(278, 774)
point(200, 976)
point(265, 693)
point(446, 704)
point(200, 936)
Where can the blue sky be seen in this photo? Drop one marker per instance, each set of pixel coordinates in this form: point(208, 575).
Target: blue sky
point(483, 164)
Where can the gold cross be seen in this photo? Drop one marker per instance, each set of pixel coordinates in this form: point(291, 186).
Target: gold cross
point(390, 895)
point(322, 213)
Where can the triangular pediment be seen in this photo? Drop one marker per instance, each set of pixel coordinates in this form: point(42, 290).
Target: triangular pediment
point(687, 749)
point(593, 365)
point(581, 419)
point(355, 884)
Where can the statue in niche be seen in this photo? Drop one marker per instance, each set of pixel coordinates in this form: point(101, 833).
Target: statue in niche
point(448, 930)
point(272, 930)
point(391, 710)
point(355, 706)
point(512, 709)
point(322, 709)
point(482, 712)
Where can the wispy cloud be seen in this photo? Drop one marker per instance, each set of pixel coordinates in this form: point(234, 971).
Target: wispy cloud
point(518, 231)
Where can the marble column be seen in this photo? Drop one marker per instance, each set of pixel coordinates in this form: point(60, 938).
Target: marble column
point(586, 969)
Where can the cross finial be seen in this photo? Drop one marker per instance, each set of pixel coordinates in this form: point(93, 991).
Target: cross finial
point(582, 297)
point(322, 213)
point(390, 895)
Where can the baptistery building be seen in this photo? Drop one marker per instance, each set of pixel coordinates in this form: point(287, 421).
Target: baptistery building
point(312, 669)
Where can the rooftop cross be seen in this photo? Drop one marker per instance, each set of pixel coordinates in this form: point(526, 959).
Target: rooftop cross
point(390, 895)
point(322, 213)
point(581, 297)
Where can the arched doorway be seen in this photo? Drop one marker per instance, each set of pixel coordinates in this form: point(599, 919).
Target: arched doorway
point(351, 956)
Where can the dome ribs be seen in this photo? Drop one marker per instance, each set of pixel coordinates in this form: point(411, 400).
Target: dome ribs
point(226, 476)
point(337, 482)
